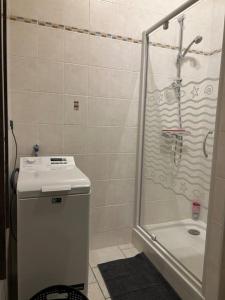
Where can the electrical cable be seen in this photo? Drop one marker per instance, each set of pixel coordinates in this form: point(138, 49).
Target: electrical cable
point(13, 181)
point(16, 145)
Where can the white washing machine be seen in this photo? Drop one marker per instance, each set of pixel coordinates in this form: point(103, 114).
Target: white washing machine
point(52, 224)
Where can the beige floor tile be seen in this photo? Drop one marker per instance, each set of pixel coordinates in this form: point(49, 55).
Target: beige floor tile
point(91, 277)
point(94, 292)
point(103, 255)
point(101, 282)
point(130, 252)
point(126, 246)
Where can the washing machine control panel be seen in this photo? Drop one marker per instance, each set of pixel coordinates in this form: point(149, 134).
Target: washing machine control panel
point(46, 163)
point(58, 160)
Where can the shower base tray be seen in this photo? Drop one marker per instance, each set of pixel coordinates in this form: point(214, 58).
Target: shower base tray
point(188, 249)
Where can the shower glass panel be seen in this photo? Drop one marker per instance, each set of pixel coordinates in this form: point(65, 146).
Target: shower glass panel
point(179, 123)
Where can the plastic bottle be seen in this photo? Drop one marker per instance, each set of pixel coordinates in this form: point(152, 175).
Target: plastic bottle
point(196, 208)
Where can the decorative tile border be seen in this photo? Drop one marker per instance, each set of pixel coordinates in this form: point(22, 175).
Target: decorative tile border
point(106, 35)
point(200, 52)
point(74, 29)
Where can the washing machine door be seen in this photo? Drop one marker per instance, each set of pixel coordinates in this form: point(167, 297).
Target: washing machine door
point(53, 243)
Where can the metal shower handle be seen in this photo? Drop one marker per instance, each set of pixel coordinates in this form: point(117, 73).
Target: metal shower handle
point(204, 143)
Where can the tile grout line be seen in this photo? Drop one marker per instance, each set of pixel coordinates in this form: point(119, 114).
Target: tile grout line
point(104, 35)
point(96, 267)
point(98, 281)
point(130, 246)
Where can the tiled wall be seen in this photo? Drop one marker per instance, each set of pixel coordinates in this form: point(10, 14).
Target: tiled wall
point(50, 68)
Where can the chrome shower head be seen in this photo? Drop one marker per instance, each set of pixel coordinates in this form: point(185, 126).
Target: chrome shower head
point(196, 40)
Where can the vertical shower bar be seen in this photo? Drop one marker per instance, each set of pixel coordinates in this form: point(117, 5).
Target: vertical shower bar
point(181, 22)
point(179, 80)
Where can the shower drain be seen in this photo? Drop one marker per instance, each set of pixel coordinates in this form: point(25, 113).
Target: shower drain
point(194, 232)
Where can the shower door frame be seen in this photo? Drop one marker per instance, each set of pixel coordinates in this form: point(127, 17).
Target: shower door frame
point(197, 286)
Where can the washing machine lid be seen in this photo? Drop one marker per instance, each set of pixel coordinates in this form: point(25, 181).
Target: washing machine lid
point(43, 176)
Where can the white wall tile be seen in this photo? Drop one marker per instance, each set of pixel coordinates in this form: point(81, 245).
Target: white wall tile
point(122, 166)
point(107, 112)
point(50, 139)
point(24, 107)
point(112, 192)
point(196, 67)
point(50, 10)
point(163, 211)
point(105, 52)
point(214, 66)
point(99, 193)
point(102, 16)
point(50, 76)
point(76, 79)
point(111, 217)
point(74, 139)
point(24, 8)
point(76, 48)
point(164, 7)
point(162, 60)
point(76, 13)
point(110, 238)
point(101, 139)
point(50, 108)
point(23, 39)
point(128, 141)
point(111, 140)
point(138, 17)
point(23, 74)
point(132, 114)
point(95, 166)
point(113, 83)
point(155, 192)
point(50, 43)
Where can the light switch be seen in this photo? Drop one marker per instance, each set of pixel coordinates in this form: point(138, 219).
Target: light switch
point(76, 105)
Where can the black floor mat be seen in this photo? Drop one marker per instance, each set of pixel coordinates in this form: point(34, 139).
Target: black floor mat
point(136, 279)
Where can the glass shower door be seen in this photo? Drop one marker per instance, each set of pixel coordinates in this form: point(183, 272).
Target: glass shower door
point(179, 124)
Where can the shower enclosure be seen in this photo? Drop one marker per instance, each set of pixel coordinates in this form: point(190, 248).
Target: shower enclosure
point(181, 58)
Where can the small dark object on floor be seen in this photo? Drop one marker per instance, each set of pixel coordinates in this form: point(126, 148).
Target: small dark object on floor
point(136, 278)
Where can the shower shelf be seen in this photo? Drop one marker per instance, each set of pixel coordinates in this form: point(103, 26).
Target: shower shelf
point(175, 132)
